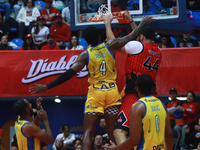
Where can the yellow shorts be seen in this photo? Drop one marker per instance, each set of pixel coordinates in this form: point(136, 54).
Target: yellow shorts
point(102, 95)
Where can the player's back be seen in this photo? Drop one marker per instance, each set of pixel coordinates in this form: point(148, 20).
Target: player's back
point(153, 124)
point(146, 62)
point(24, 142)
point(101, 64)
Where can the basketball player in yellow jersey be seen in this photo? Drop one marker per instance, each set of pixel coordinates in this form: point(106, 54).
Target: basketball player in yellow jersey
point(103, 96)
point(27, 129)
point(150, 126)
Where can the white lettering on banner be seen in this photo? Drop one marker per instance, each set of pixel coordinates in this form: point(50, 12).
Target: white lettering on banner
point(43, 68)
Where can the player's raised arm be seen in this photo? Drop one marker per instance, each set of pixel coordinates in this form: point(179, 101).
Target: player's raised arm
point(67, 75)
point(120, 42)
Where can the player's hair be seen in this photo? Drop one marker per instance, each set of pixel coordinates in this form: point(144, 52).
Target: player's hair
point(145, 84)
point(91, 35)
point(20, 107)
point(65, 126)
point(148, 33)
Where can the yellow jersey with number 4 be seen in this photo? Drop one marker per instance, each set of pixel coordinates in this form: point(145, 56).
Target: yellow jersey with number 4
point(153, 124)
point(101, 64)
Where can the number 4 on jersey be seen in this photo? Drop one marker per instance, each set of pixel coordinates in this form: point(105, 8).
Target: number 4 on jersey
point(103, 68)
point(147, 64)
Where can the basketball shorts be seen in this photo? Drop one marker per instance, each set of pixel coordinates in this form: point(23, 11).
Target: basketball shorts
point(123, 119)
point(102, 95)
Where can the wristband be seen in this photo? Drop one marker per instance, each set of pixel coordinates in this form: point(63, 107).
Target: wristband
point(131, 21)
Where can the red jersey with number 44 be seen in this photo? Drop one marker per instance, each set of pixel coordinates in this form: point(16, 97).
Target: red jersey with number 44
point(146, 62)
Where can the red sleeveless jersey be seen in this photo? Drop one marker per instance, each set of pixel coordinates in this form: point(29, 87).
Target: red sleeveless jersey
point(172, 106)
point(146, 62)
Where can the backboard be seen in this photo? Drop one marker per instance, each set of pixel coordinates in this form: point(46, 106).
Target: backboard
point(168, 16)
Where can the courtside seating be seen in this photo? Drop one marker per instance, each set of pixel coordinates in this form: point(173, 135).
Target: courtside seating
point(83, 42)
point(19, 42)
point(40, 4)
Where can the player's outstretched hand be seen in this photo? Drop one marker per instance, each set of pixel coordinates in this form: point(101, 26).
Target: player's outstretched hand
point(108, 18)
point(146, 20)
point(39, 88)
point(111, 146)
point(127, 16)
point(38, 103)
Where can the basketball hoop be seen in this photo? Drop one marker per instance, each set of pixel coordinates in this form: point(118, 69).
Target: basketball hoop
point(103, 10)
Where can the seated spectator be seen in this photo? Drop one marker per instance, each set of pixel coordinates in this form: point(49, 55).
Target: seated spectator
point(16, 5)
point(78, 146)
point(59, 144)
point(4, 43)
point(193, 4)
point(187, 41)
point(40, 32)
point(102, 124)
point(61, 32)
point(76, 142)
point(172, 105)
point(28, 43)
point(74, 44)
point(98, 142)
point(49, 12)
point(191, 137)
point(190, 114)
point(66, 14)
point(165, 42)
point(6, 7)
point(66, 136)
point(27, 17)
point(50, 44)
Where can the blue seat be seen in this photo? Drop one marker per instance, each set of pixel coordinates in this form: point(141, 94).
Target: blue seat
point(82, 42)
point(19, 42)
point(40, 5)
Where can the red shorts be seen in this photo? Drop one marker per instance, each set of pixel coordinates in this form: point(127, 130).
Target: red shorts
point(123, 120)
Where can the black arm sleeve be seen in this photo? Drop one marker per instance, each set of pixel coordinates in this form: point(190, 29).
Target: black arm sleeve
point(62, 78)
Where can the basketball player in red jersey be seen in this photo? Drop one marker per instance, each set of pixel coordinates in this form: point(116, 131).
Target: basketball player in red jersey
point(145, 59)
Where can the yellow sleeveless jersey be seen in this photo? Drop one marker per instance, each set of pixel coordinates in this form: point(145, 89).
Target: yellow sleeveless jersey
point(24, 142)
point(153, 124)
point(101, 64)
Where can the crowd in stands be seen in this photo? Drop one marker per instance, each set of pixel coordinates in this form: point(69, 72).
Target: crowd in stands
point(185, 119)
point(29, 18)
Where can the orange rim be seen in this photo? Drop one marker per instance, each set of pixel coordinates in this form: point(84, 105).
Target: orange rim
point(116, 15)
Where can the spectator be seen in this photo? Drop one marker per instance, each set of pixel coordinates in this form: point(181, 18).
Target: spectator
point(102, 124)
point(27, 17)
point(16, 5)
point(4, 43)
point(50, 44)
point(190, 114)
point(66, 136)
point(187, 41)
point(6, 7)
point(193, 4)
point(61, 32)
point(74, 44)
point(98, 142)
point(66, 14)
point(59, 144)
point(78, 147)
point(191, 137)
point(76, 142)
point(172, 105)
point(28, 43)
point(165, 42)
point(40, 32)
point(49, 12)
